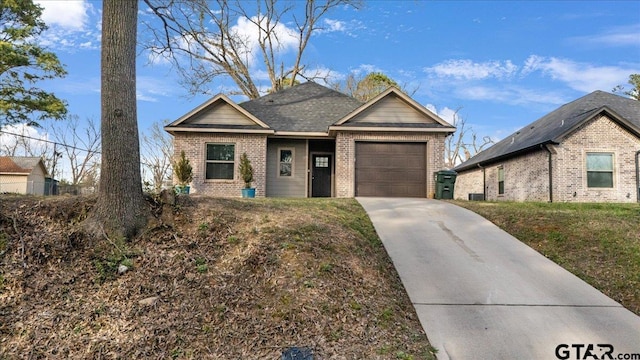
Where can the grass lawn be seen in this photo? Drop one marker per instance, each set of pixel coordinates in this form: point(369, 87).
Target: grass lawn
point(600, 243)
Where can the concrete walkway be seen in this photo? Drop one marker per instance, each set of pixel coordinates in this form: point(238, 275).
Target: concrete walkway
point(482, 294)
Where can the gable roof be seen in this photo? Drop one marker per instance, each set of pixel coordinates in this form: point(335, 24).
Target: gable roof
point(20, 165)
point(426, 120)
point(551, 128)
point(245, 122)
point(308, 107)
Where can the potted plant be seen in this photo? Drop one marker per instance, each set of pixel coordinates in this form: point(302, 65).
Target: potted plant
point(184, 174)
point(246, 171)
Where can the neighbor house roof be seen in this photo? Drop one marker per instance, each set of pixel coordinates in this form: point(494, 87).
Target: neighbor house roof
point(307, 107)
point(551, 128)
point(19, 165)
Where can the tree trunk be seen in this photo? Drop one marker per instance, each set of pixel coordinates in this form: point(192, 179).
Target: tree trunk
point(120, 209)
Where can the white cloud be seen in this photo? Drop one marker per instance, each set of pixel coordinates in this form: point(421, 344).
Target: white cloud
point(349, 28)
point(580, 76)
point(70, 15)
point(447, 114)
point(513, 95)
point(465, 69)
point(618, 36)
point(247, 29)
point(23, 146)
point(67, 22)
point(334, 25)
point(150, 88)
point(364, 69)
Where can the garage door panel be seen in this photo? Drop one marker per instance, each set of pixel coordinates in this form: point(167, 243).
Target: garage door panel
point(391, 169)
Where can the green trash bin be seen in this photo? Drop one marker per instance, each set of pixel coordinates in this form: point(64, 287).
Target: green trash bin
point(445, 183)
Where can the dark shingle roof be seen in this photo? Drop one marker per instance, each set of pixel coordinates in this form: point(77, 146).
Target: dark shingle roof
point(307, 107)
point(553, 126)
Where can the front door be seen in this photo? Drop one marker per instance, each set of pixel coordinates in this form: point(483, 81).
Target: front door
point(321, 175)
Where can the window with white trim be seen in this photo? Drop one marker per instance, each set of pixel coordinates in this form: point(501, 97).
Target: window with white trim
point(599, 170)
point(285, 159)
point(220, 161)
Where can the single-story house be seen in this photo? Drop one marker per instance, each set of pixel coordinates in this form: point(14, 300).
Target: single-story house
point(312, 141)
point(585, 151)
point(22, 175)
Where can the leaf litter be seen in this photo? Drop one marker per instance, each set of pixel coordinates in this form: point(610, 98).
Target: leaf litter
point(224, 279)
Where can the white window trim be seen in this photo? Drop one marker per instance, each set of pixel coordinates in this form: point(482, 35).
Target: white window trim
point(614, 170)
point(293, 161)
point(235, 160)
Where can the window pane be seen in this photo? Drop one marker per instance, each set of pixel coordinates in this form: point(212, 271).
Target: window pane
point(219, 171)
point(220, 152)
point(501, 187)
point(600, 179)
point(599, 162)
point(322, 162)
point(500, 174)
point(286, 156)
point(285, 169)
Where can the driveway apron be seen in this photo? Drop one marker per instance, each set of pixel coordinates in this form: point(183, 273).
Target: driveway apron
point(482, 294)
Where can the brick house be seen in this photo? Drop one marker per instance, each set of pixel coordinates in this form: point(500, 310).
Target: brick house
point(304, 142)
point(585, 151)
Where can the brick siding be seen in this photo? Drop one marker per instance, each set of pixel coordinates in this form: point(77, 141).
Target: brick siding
point(527, 176)
point(194, 146)
point(345, 156)
point(598, 135)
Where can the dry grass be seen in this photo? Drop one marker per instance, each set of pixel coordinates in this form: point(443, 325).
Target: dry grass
point(600, 243)
point(231, 279)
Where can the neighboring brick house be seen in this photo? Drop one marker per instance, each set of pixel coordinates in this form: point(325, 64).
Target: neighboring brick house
point(22, 175)
point(304, 142)
point(585, 151)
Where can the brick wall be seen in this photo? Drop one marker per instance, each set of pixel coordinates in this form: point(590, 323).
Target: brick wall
point(598, 135)
point(468, 182)
point(527, 177)
point(345, 156)
point(194, 146)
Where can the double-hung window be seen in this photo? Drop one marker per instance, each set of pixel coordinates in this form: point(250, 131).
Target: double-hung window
point(285, 168)
point(220, 161)
point(501, 180)
point(599, 170)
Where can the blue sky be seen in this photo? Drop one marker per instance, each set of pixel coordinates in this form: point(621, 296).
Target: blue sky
point(502, 64)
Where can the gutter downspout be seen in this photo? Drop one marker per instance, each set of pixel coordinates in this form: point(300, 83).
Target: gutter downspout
point(638, 175)
point(484, 183)
point(551, 173)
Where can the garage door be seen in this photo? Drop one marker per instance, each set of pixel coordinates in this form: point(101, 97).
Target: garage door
point(391, 169)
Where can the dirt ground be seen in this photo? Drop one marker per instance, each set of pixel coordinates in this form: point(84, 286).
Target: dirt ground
point(209, 278)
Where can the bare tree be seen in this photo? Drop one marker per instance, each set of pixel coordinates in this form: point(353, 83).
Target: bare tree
point(463, 144)
point(157, 150)
point(120, 210)
point(82, 146)
point(17, 140)
point(200, 38)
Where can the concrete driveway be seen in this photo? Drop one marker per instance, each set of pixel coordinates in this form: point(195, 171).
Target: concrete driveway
point(482, 294)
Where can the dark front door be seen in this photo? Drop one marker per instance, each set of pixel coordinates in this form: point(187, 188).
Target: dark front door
point(321, 175)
